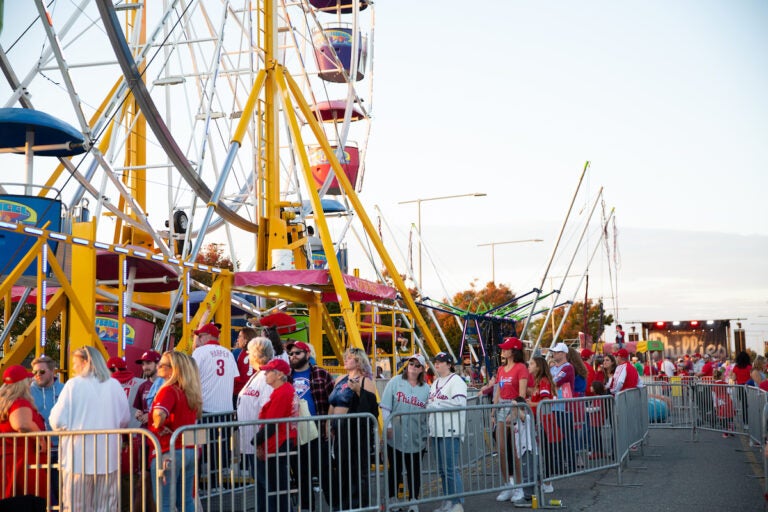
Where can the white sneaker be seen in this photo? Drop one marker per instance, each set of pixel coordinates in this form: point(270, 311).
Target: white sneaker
point(517, 495)
point(413, 508)
point(547, 488)
point(456, 507)
point(444, 507)
point(505, 495)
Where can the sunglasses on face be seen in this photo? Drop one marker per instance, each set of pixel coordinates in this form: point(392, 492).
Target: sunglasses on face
point(163, 365)
point(40, 372)
point(296, 353)
point(415, 364)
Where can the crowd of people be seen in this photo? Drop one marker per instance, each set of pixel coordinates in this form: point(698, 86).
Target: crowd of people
point(264, 379)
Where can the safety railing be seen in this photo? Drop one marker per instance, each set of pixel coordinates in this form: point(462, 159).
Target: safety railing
point(669, 404)
point(340, 462)
point(307, 464)
point(74, 471)
point(490, 444)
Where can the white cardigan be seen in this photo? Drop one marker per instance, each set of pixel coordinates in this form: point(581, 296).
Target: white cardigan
point(87, 404)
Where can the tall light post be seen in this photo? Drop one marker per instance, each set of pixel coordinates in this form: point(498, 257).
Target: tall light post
point(493, 252)
point(418, 208)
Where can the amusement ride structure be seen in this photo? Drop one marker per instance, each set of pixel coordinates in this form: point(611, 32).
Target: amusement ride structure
point(151, 129)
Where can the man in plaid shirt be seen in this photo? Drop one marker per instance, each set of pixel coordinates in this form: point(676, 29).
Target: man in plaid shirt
point(313, 384)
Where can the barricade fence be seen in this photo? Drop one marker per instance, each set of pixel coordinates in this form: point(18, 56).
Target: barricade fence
point(342, 463)
point(74, 471)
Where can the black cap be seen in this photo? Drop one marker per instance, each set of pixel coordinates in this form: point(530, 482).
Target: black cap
point(444, 358)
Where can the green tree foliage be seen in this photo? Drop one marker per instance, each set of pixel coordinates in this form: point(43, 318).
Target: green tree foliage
point(574, 323)
point(472, 300)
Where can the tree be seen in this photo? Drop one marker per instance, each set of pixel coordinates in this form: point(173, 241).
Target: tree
point(574, 323)
point(472, 301)
point(212, 255)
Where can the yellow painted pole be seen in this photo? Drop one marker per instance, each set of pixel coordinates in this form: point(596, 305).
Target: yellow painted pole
point(362, 215)
point(333, 263)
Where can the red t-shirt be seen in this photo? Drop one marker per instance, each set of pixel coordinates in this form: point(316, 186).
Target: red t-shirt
point(591, 377)
point(172, 401)
point(742, 374)
point(543, 391)
point(509, 380)
point(243, 366)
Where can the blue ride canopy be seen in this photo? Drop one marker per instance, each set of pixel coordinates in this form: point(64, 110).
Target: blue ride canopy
point(14, 123)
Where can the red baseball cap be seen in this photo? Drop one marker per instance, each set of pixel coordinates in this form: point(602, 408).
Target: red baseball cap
point(511, 344)
point(116, 362)
point(622, 352)
point(279, 365)
point(299, 345)
point(696, 355)
point(209, 329)
point(149, 356)
point(586, 353)
point(16, 373)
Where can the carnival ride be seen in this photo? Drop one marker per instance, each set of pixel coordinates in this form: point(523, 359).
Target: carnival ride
point(175, 124)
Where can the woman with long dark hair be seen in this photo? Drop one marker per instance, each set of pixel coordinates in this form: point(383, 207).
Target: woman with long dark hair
point(543, 387)
point(511, 381)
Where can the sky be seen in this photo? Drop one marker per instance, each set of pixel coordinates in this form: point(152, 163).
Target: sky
point(508, 98)
point(666, 100)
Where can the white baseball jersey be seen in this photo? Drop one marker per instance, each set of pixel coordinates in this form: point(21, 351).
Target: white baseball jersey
point(218, 370)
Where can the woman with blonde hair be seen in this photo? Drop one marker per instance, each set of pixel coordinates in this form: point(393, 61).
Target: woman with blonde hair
point(90, 400)
point(757, 374)
point(178, 402)
point(352, 438)
point(21, 456)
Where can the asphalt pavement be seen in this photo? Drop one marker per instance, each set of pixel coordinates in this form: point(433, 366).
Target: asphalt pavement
point(671, 473)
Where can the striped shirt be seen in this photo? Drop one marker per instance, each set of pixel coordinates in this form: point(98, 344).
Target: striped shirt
point(218, 370)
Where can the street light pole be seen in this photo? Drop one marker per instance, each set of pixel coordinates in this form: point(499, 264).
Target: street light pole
point(418, 202)
point(493, 252)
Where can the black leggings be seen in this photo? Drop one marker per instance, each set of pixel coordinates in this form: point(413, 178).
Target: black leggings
point(404, 468)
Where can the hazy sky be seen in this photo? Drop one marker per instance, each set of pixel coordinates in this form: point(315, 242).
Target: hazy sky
point(666, 99)
point(510, 98)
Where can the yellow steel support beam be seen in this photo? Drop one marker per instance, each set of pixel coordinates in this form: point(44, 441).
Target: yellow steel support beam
point(82, 324)
point(25, 343)
point(358, 207)
point(325, 236)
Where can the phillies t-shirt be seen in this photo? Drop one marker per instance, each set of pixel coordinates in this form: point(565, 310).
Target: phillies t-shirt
point(509, 380)
point(173, 402)
point(302, 384)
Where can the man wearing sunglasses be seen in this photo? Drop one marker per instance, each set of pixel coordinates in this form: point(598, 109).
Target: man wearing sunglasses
point(314, 384)
point(46, 389)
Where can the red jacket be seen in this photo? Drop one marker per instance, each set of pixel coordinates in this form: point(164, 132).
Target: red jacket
point(283, 403)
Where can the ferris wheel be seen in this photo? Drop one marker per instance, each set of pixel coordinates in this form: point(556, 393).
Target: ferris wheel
point(147, 179)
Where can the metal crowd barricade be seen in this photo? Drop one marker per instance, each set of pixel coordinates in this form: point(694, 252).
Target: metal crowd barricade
point(756, 400)
point(670, 404)
point(715, 407)
point(476, 463)
point(339, 471)
point(82, 470)
point(576, 436)
point(632, 422)
point(764, 438)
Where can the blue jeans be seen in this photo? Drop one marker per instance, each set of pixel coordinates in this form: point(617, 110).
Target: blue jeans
point(447, 449)
point(184, 473)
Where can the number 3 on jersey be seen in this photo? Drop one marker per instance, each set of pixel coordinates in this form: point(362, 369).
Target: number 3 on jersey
point(219, 367)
